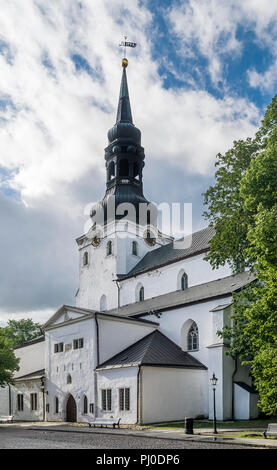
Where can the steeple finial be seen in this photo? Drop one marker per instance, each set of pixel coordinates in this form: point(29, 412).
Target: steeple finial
point(124, 113)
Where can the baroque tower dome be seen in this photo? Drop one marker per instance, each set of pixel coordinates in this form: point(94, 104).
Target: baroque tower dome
point(124, 158)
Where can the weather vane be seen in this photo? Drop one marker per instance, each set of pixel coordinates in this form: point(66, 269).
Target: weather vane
point(125, 44)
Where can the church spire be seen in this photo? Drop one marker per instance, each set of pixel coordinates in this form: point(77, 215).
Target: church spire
point(124, 157)
point(124, 113)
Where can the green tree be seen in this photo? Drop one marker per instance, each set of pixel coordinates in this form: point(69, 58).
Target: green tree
point(243, 210)
point(20, 331)
point(8, 361)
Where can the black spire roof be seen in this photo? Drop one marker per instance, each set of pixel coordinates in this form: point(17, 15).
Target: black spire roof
point(124, 113)
point(124, 161)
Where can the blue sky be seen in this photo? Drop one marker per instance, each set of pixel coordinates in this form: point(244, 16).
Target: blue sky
point(200, 77)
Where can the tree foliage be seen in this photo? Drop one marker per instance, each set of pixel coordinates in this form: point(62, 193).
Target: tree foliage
point(8, 361)
point(242, 207)
point(20, 331)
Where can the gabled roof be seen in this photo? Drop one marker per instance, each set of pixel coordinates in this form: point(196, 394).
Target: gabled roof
point(32, 376)
point(39, 339)
point(167, 254)
point(86, 314)
point(210, 290)
point(155, 349)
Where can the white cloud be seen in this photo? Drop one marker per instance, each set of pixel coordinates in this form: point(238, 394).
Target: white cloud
point(212, 26)
point(54, 124)
point(59, 129)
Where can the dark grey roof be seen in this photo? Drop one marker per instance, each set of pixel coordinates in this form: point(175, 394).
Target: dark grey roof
point(168, 254)
point(33, 375)
point(32, 341)
point(246, 387)
point(155, 349)
point(213, 289)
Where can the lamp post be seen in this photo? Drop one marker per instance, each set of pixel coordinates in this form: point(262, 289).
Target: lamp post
point(213, 381)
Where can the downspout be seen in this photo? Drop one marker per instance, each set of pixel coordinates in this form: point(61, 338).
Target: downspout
point(118, 293)
point(97, 364)
point(10, 401)
point(139, 394)
point(43, 398)
point(233, 388)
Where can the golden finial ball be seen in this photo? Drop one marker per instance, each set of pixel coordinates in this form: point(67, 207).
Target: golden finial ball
point(124, 62)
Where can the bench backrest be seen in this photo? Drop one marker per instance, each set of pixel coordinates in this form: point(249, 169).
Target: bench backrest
point(272, 427)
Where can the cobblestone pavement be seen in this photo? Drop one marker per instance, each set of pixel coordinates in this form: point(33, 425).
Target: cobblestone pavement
point(24, 438)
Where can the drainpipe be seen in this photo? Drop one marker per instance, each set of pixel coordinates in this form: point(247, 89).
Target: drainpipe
point(97, 364)
point(138, 396)
point(10, 401)
point(118, 293)
point(43, 397)
point(233, 388)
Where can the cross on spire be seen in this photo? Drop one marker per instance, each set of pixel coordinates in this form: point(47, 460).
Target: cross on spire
point(125, 44)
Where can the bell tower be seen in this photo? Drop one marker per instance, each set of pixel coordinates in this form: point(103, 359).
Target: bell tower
point(113, 247)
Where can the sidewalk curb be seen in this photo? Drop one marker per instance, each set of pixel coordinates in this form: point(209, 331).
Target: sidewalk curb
point(221, 440)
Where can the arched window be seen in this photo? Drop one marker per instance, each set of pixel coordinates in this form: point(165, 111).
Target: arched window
point(136, 169)
point(56, 403)
point(124, 168)
point(193, 338)
point(103, 303)
point(109, 248)
point(85, 405)
point(111, 171)
point(85, 258)
point(141, 294)
point(69, 379)
point(184, 281)
point(135, 248)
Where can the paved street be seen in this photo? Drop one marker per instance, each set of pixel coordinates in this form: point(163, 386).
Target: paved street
point(23, 438)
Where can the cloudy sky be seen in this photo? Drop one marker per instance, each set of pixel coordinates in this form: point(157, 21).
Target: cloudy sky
point(200, 77)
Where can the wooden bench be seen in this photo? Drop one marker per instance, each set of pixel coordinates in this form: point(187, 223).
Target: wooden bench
point(6, 419)
point(271, 430)
point(105, 422)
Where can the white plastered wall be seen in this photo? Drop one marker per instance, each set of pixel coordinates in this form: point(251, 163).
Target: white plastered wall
point(27, 387)
point(172, 394)
point(79, 363)
point(123, 377)
point(166, 279)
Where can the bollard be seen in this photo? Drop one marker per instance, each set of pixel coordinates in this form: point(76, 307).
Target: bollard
point(188, 425)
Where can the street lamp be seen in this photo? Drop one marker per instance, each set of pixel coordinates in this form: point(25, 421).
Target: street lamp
point(213, 381)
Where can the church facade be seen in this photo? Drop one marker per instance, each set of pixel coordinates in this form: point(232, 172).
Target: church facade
point(141, 342)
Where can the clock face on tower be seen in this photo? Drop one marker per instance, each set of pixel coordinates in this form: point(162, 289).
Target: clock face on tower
point(149, 237)
point(97, 238)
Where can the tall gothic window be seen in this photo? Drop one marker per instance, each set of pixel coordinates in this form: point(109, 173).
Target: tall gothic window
point(56, 405)
point(69, 379)
point(193, 338)
point(85, 404)
point(184, 281)
point(141, 294)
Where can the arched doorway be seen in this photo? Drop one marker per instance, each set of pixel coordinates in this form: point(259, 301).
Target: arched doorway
point(71, 410)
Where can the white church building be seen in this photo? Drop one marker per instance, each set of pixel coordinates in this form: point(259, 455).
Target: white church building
point(141, 342)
